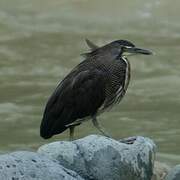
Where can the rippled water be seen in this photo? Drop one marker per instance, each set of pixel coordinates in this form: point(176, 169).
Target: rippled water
point(41, 40)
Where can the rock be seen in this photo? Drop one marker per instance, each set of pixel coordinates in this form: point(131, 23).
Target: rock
point(160, 171)
point(100, 158)
point(25, 165)
point(174, 173)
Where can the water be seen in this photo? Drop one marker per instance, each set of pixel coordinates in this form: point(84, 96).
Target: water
point(41, 40)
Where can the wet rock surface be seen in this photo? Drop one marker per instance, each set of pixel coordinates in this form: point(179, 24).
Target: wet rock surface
point(174, 173)
point(23, 165)
point(100, 158)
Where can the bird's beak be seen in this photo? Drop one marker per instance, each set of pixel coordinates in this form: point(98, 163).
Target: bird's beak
point(135, 50)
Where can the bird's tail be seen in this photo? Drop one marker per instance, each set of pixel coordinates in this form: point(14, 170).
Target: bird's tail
point(52, 124)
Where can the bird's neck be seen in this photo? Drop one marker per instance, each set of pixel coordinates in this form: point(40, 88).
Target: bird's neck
point(128, 73)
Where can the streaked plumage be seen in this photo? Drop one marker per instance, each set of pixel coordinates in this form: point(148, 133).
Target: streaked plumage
point(97, 83)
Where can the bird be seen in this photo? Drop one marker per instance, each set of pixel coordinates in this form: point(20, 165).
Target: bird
point(92, 87)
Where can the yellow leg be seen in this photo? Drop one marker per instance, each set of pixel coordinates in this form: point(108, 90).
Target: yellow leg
point(97, 125)
point(71, 133)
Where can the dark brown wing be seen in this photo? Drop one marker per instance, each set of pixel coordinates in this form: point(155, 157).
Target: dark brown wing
point(79, 95)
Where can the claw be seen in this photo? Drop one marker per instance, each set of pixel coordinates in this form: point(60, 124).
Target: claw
point(129, 140)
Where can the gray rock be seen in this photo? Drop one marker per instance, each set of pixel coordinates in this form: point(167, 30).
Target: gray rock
point(174, 173)
point(100, 158)
point(25, 165)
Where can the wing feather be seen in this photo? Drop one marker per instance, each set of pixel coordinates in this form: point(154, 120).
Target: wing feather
point(79, 95)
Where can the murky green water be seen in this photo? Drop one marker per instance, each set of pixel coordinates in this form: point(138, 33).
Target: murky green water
point(40, 41)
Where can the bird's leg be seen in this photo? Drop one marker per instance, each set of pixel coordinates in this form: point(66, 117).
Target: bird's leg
point(97, 125)
point(71, 133)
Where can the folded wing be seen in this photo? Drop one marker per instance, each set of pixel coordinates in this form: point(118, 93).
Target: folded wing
point(79, 95)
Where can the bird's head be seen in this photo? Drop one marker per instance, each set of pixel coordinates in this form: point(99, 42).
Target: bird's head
point(116, 49)
point(125, 48)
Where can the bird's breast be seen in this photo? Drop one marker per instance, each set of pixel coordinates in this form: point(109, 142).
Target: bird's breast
point(117, 83)
point(127, 73)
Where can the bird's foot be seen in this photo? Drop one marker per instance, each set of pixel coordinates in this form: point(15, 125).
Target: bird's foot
point(129, 140)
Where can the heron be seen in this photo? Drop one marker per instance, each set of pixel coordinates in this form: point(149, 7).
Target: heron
point(95, 85)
